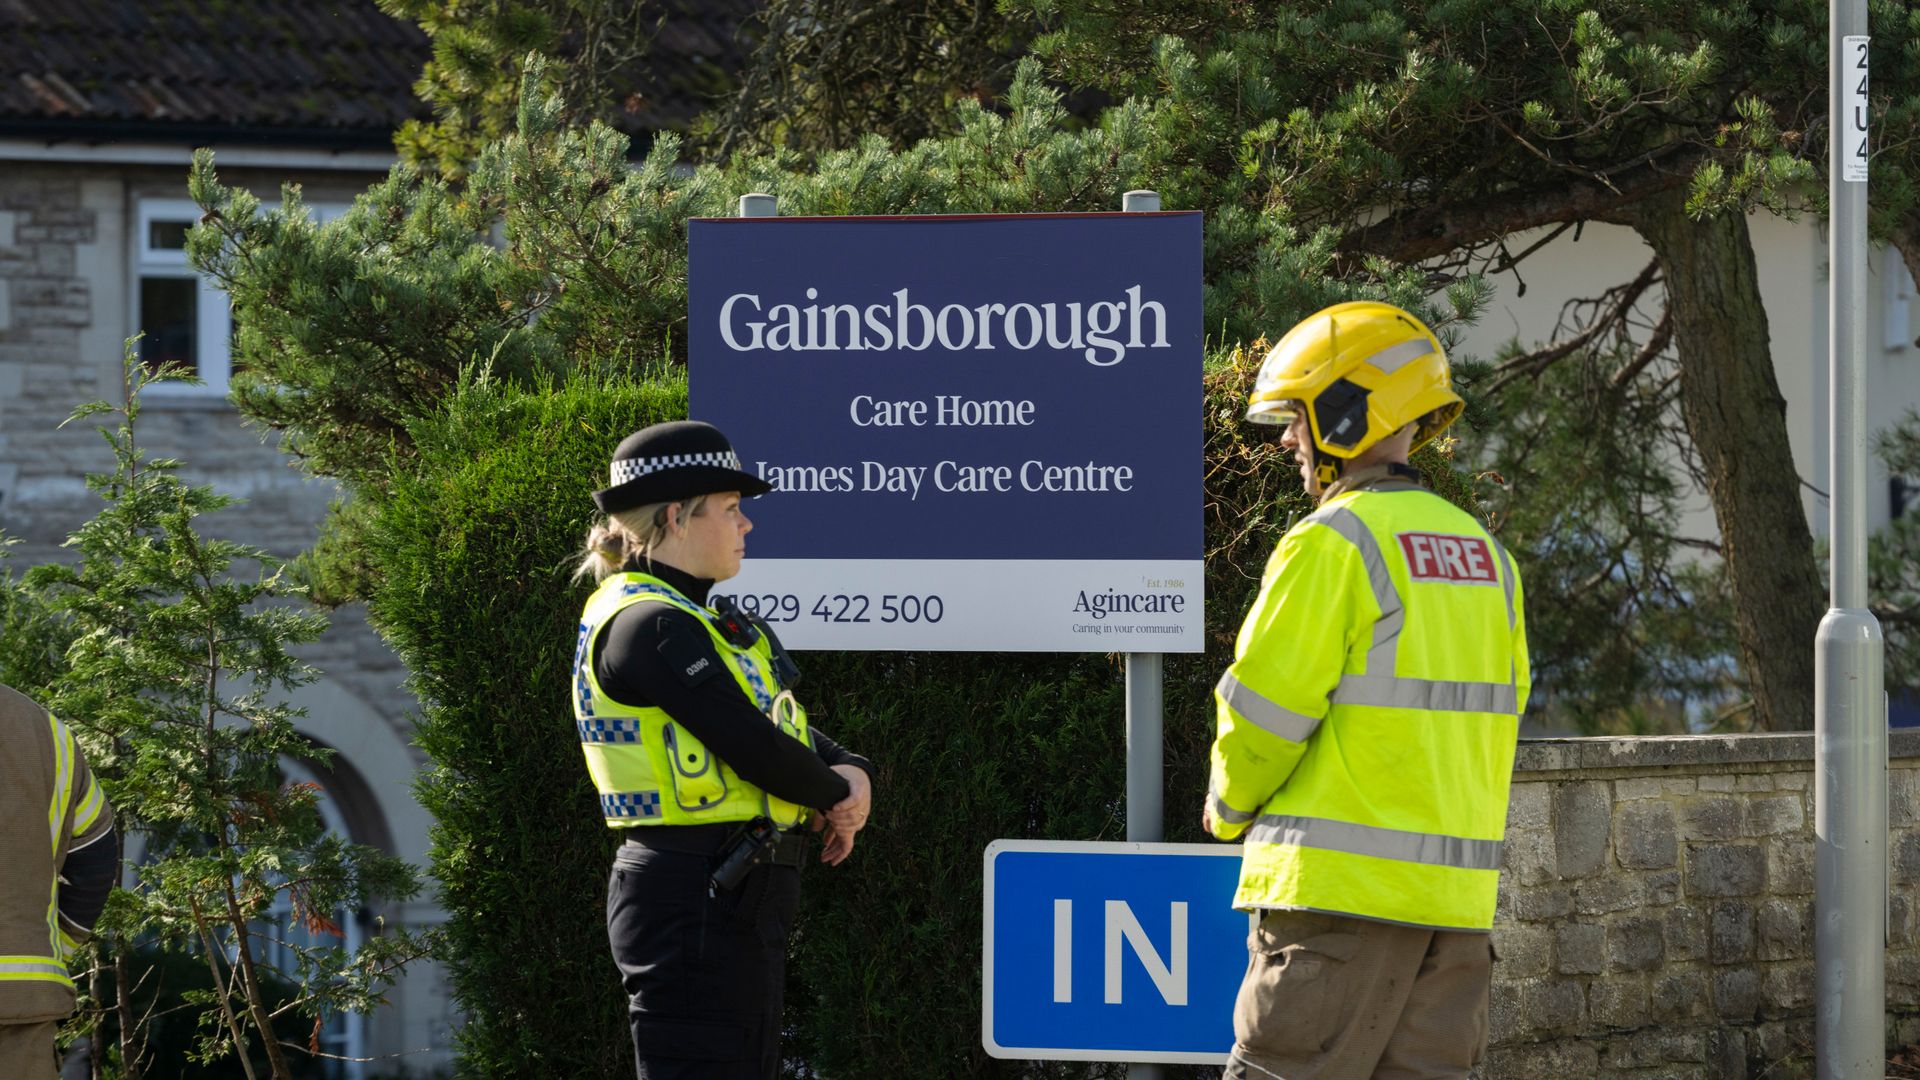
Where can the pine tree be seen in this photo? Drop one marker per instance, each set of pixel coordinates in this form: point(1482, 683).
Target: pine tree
point(594, 54)
point(1437, 133)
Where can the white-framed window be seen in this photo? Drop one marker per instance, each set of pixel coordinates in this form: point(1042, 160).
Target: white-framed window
point(1898, 308)
point(182, 316)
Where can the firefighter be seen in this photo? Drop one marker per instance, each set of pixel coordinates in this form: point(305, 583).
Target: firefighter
point(1366, 727)
point(61, 854)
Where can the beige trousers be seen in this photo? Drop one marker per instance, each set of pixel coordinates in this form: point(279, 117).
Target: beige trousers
point(1328, 997)
point(26, 1050)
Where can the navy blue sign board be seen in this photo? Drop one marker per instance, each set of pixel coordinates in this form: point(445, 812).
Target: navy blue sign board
point(1111, 951)
point(984, 432)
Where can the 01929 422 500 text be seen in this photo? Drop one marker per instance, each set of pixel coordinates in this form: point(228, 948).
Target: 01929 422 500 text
point(843, 607)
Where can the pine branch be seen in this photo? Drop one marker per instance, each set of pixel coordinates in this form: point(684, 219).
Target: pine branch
point(1427, 231)
point(1530, 365)
point(1662, 336)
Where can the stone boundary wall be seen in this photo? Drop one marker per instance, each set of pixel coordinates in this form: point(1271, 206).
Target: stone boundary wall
point(1656, 909)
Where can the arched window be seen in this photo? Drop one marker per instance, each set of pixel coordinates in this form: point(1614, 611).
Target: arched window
point(342, 1035)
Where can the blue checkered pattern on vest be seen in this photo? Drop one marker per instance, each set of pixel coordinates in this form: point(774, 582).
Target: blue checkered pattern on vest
point(613, 729)
point(630, 804)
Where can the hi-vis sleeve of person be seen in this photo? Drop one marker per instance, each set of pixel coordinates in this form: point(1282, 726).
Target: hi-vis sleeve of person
point(1291, 652)
point(87, 805)
point(91, 858)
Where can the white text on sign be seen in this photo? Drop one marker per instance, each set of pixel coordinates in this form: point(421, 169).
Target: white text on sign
point(1169, 976)
point(948, 410)
point(1853, 104)
point(950, 477)
point(1088, 329)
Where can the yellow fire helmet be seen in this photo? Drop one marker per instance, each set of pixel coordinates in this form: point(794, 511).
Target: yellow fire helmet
point(1361, 371)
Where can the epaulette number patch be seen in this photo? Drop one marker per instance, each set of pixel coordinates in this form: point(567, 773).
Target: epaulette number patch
point(689, 656)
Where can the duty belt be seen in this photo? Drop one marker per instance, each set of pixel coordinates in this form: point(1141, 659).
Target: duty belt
point(789, 850)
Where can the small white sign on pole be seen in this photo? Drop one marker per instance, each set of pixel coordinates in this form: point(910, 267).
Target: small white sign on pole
point(1853, 134)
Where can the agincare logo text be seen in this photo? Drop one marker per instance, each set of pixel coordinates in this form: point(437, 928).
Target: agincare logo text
point(1101, 331)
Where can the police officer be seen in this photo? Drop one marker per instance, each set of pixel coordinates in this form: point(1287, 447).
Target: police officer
point(1366, 726)
point(702, 757)
point(60, 856)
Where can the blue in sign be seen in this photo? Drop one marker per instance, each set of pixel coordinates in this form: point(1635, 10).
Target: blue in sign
point(1111, 951)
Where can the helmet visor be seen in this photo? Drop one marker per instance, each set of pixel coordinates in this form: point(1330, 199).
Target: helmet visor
point(1280, 413)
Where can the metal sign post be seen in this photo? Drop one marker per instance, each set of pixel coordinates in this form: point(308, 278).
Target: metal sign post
point(906, 460)
point(1850, 726)
point(1146, 790)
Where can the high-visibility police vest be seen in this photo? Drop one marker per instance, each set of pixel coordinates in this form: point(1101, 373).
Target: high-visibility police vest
point(49, 802)
point(1367, 725)
point(650, 770)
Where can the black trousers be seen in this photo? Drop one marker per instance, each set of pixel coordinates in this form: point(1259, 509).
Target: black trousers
point(705, 974)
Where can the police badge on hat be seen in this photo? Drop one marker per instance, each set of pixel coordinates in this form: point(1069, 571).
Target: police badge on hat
point(673, 461)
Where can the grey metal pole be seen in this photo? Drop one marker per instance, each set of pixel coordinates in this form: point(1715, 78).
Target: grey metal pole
point(1146, 808)
point(1850, 726)
point(1146, 789)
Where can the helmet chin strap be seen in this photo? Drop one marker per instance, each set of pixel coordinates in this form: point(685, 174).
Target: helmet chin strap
point(1327, 468)
point(1327, 471)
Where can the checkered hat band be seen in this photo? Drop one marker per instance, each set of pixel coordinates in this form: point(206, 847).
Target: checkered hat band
point(625, 469)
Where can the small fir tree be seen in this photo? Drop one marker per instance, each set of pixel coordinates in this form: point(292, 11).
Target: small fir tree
point(175, 678)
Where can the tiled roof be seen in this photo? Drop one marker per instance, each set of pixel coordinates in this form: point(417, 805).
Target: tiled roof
point(337, 72)
point(314, 71)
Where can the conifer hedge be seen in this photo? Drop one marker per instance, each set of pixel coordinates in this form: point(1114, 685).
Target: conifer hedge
point(471, 550)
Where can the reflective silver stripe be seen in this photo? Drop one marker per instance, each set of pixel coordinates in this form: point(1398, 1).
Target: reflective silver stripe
point(1506, 578)
point(1223, 812)
point(1433, 849)
point(1394, 357)
point(1263, 714)
point(63, 751)
point(1393, 615)
point(31, 966)
point(1435, 695)
point(90, 807)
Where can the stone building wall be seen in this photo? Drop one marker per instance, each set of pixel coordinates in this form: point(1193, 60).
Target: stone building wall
point(1655, 914)
point(67, 281)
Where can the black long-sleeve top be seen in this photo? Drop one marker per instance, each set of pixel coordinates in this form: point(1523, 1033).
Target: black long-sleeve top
point(642, 659)
point(87, 877)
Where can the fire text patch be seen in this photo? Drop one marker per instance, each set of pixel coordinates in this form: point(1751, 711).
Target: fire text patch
point(1461, 560)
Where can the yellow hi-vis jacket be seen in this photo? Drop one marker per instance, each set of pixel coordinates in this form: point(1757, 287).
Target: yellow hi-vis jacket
point(1366, 727)
point(650, 770)
point(50, 804)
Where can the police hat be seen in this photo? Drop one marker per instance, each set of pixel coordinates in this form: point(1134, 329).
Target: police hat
point(673, 461)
